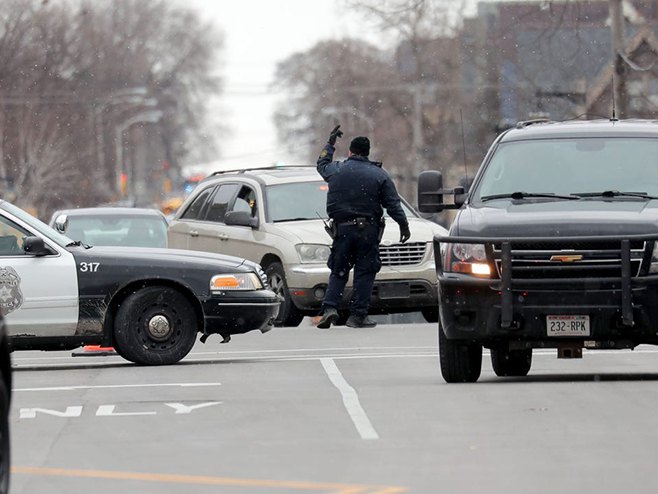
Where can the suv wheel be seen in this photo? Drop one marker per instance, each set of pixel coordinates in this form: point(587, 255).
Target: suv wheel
point(289, 315)
point(511, 362)
point(461, 361)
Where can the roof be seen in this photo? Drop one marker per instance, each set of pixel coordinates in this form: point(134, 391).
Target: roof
point(110, 211)
point(273, 175)
point(583, 128)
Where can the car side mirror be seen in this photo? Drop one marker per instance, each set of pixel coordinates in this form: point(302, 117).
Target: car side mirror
point(430, 193)
point(35, 246)
point(61, 223)
point(240, 218)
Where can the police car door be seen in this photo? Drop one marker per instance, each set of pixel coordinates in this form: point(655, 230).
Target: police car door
point(38, 295)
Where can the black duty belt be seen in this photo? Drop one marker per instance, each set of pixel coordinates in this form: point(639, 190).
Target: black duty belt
point(357, 220)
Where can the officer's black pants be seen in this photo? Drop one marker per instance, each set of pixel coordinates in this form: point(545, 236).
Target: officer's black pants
point(356, 248)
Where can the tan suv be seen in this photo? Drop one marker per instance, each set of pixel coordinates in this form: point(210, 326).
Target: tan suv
point(274, 216)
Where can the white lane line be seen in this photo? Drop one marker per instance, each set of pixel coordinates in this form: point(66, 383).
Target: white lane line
point(18, 358)
point(107, 386)
point(350, 400)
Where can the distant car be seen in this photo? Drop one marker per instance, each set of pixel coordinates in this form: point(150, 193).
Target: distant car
point(5, 401)
point(127, 227)
point(147, 303)
point(274, 216)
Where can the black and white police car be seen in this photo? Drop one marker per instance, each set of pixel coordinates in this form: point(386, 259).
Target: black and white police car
point(148, 303)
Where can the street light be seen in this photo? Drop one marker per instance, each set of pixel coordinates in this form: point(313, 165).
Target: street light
point(136, 96)
point(150, 116)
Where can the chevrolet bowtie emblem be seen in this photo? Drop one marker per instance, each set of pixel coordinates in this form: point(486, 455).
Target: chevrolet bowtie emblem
point(567, 258)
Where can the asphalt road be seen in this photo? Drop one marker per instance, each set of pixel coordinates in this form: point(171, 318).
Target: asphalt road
point(341, 411)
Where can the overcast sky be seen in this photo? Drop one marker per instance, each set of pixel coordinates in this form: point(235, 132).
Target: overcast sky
point(258, 34)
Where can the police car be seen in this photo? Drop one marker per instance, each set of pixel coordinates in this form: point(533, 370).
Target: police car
point(148, 303)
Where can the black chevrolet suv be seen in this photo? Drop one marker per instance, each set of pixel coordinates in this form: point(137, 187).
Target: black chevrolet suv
point(554, 246)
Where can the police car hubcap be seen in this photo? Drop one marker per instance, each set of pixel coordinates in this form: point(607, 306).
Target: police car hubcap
point(159, 327)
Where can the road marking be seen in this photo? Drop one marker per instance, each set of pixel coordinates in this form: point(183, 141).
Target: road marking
point(110, 386)
point(350, 400)
point(19, 358)
point(330, 488)
point(537, 352)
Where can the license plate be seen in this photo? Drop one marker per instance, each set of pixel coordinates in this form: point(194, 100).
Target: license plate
point(393, 290)
point(567, 325)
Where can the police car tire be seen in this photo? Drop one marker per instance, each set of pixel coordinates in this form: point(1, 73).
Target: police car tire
point(133, 341)
point(4, 439)
point(289, 315)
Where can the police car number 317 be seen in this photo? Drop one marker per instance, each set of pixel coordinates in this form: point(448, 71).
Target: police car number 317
point(148, 303)
point(92, 267)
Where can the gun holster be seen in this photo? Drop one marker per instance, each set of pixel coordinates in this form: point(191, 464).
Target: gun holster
point(382, 225)
point(331, 228)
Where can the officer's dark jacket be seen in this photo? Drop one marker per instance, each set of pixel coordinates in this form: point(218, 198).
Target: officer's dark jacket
point(358, 187)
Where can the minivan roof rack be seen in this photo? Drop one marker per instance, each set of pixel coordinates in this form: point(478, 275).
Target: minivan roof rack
point(525, 123)
point(256, 168)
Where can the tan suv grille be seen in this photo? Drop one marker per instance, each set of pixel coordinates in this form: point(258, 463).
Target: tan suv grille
point(402, 254)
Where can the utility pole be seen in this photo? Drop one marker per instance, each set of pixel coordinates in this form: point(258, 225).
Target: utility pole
point(619, 66)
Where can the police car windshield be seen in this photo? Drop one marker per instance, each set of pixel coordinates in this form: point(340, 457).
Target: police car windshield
point(36, 224)
point(564, 167)
point(302, 201)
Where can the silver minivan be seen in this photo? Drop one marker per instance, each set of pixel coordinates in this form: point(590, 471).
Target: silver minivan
point(274, 216)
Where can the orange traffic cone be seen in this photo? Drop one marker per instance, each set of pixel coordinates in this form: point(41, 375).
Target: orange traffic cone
point(94, 351)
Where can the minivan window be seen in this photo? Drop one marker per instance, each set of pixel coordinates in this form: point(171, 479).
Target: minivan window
point(193, 212)
point(219, 202)
point(302, 201)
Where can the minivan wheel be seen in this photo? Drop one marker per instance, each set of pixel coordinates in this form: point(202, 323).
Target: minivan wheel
point(461, 361)
point(289, 315)
point(431, 314)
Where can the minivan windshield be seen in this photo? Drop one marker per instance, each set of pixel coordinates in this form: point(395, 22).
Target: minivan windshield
point(303, 201)
point(582, 167)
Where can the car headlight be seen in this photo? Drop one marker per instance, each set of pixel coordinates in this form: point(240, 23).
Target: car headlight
point(466, 259)
point(236, 281)
point(313, 252)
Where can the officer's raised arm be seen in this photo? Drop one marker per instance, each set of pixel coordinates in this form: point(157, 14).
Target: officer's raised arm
point(325, 165)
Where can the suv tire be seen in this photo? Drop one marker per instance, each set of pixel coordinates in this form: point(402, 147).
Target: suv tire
point(461, 361)
point(289, 315)
point(509, 363)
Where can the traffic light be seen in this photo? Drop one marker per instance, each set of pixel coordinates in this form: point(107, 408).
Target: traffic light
point(124, 183)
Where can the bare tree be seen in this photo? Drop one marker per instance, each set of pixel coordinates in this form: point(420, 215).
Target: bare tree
point(63, 66)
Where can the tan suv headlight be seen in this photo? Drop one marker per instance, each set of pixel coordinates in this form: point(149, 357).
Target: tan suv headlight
point(237, 281)
point(313, 252)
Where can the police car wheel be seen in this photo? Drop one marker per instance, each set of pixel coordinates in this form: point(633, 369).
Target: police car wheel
point(289, 315)
point(155, 326)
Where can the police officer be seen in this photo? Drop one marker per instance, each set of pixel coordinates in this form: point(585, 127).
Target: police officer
point(358, 188)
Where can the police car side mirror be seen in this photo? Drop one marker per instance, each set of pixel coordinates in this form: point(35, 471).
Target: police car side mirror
point(35, 246)
point(240, 218)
